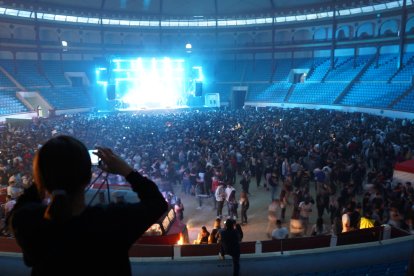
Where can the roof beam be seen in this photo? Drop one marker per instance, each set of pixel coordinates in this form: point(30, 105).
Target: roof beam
point(272, 3)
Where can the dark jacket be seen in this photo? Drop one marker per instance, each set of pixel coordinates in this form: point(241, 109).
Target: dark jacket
point(96, 242)
point(229, 242)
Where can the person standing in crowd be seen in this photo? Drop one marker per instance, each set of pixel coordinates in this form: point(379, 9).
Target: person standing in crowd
point(305, 208)
point(233, 205)
point(179, 209)
point(220, 196)
point(280, 232)
point(268, 174)
point(272, 216)
point(186, 182)
point(245, 182)
point(66, 236)
point(283, 203)
point(273, 182)
point(214, 186)
point(239, 231)
point(259, 171)
point(230, 245)
point(319, 229)
point(229, 200)
point(215, 231)
point(13, 189)
point(244, 206)
point(296, 227)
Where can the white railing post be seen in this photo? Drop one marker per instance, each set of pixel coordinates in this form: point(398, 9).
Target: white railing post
point(386, 234)
point(258, 247)
point(177, 251)
point(334, 241)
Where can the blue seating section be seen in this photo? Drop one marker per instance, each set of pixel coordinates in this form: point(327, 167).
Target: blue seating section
point(54, 72)
point(25, 72)
point(407, 71)
point(265, 93)
point(282, 70)
point(9, 104)
point(395, 269)
point(66, 97)
point(260, 70)
point(379, 86)
point(316, 93)
point(381, 70)
point(406, 103)
point(347, 68)
point(376, 95)
point(319, 70)
point(229, 71)
point(5, 82)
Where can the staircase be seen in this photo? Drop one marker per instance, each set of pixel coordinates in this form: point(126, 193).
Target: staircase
point(356, 79)
point(402, 96)
point(289, 93)
point(13, 80)
point(410, 61)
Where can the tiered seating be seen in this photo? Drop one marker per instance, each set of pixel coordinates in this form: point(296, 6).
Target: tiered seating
point(387, 66)
point(265, 93)
point(407, 72)
point(406, 103)
point(304, 63)
point(66, 97)
point(345, 70)
point(376, 95)
point(54, 72)
point(28, 74)
point(260, 70)
point(320, 68)
point(282, 70)
point(229, 71)
point(316, 93)
point(4, 80)
point(9, 104)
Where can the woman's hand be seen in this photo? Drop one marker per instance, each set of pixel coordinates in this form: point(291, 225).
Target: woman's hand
point(112, 163)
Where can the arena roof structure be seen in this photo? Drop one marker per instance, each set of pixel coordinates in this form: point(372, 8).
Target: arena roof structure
point(190, 8)
point(186, 13)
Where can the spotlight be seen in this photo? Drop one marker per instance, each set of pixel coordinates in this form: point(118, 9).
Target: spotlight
point(64, 45)
point(188, 47)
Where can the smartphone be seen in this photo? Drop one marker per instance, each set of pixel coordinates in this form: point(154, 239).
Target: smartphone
point(94, 157)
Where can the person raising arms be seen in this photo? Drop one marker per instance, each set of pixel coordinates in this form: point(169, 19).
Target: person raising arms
point(60, 234)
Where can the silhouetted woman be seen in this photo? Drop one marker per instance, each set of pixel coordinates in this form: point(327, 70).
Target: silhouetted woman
point(60, 234)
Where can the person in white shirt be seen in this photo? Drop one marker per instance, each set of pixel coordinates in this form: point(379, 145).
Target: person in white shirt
point(229, 190)
point(305, 208)
point(280, 232)
point(14, 190)
point(220, 196)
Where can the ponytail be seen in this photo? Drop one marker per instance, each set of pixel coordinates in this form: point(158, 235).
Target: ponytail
point(59, 208)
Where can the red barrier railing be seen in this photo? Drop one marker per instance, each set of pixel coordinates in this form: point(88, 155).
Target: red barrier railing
point(188, 250)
